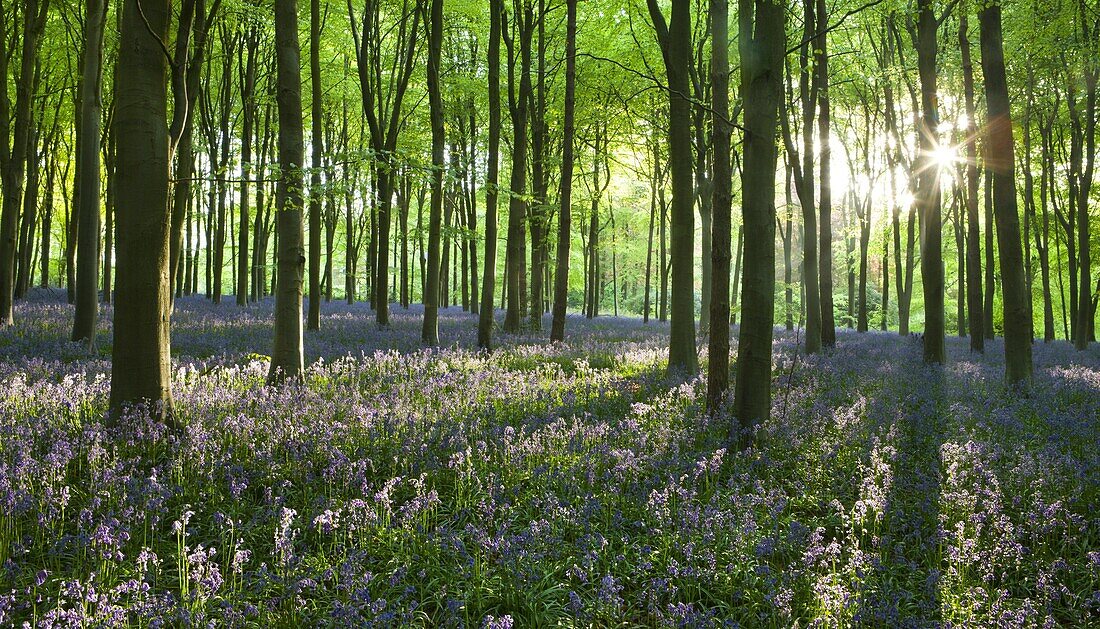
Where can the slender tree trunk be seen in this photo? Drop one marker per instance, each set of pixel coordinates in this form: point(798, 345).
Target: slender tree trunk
point(824, 125)
point(675, 39)
point(928, 197)
point(565, 212)
point(722, 208)
point(313, 318)
point(287, 356)
point(248, 115)
point(88, 174)
point(519, 100)
point(1000, 160)
point(990, 278)
point(430, 332)
point(13, 157)
point(47, 226)
point(973, 234)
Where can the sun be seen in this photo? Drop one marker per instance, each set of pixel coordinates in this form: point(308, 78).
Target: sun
point(945, 156)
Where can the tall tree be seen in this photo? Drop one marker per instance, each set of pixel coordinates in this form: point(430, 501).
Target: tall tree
point(488, 283)
point(287, 356)
point(565, 211)
point(761, 42)
point(88, 175)
point(1017, 299)
point(430, 333)
point(316, 194)
point(825, 201)
point(13, 155)
point(674, 37)
point(722, 207)
point(519, 99)
point(140, 361)
point(386, 58)
point(928, 197)
point(973, 235)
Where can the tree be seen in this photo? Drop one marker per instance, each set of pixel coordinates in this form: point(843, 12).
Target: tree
point(140, 361)
point(430, 333)
point(287, 359)
point(383, 94)
point(761, 28)
point(519, 98)
point(722, 207)
point(488, 284)
point(88, 175)
point(1000, 160)
point(13, 156)
point(928, 196)
point(316, 195)
point(561, 270)
point(973, 235)
point(825, 201)
point(674, 38)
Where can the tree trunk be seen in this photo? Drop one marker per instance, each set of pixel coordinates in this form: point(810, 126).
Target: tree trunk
point(675, 39)
point(430, 333)
point(313, 318)
point(287, 356)
point(762, 51)
point(722, 208)
point(973, 235)
point(13, 157)
point(141, 367)
point(565, 215)
point(928, 197)
point(824, 125)
point(88, 175)
point(1017, 301)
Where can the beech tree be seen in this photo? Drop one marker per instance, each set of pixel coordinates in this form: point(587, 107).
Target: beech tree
point(760, 30)
point(140, 360)
point(88, 174)
point(1000, 160)
point(287, 356)
point(674, 37)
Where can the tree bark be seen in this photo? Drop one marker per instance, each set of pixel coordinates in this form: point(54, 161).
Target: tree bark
point(88, 175)
point(565, 211)
point(13, 157)
point(287, 356)
point(313, 317)
point(762, 51)
point(675, 40)
point(141, 364)
point(722, 208)
point(1000, 160)
point(973, 234)
point(430, 333)
point(928, 197)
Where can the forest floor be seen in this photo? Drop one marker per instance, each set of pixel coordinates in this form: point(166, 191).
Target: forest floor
point(540, 485)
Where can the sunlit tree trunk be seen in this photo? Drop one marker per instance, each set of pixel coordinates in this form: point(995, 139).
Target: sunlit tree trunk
point(313, 316)
point(973, 233)
point(928, 197)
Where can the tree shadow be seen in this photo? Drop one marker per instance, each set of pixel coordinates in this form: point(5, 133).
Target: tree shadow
point(901, 578)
